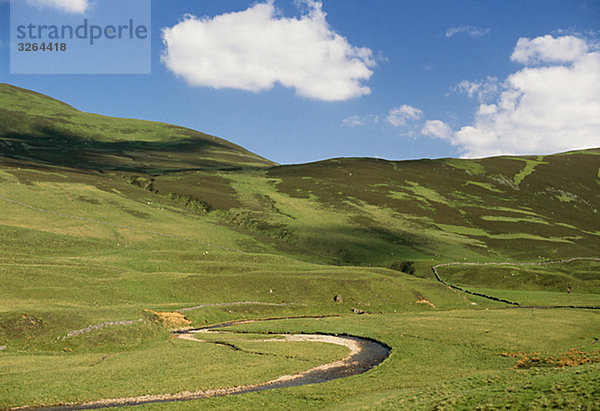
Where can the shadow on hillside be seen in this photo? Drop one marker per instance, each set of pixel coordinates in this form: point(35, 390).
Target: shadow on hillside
point(51, 147)
point(354, 245)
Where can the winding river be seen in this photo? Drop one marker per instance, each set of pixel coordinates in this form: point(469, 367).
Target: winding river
point(363, 355)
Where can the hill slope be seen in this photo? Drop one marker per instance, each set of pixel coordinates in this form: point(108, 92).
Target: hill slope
point(342, 211)
point(518, 207)
point(44, 130)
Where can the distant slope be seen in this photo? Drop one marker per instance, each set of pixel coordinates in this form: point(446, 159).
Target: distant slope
point(517, 207)
point(40, 129)
point(350, 211)
point(377, 212)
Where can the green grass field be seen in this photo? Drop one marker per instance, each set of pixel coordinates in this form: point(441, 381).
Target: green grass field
point(102, 219)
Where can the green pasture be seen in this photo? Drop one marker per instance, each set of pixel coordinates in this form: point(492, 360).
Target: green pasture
point(445, 360)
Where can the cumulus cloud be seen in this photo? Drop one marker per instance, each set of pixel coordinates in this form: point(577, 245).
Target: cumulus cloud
point(256, 48)
point(469, 30)
point(437, 128)
point(398, 116)
point(68, 6)
point(548, 49)
point(550, 105)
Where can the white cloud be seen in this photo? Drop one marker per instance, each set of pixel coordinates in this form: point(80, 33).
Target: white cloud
point(547, 49)
point(357, 121)
point(470, 30)
point(398, 116)
point(482, 89)
point(437, 128)
point(542, 109)
point(68, 6)
point(256, 48)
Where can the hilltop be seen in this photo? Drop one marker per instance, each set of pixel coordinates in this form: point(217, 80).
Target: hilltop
point(43, 130)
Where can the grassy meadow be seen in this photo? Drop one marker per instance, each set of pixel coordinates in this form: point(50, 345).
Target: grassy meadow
point(103, 219)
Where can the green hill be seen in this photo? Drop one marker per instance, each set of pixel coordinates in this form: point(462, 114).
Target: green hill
point(356, 211)
point(515, 207)
point(349, 211)
point(44, 130)
point(104, 218)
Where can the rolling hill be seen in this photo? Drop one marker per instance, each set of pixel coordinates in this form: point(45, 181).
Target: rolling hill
point(104, 218)
point(345, 211)
point(46, 131)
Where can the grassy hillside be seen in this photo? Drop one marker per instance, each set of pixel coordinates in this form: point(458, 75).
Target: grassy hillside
point(521, 207)
point(102, 219)
point(341, 211)
point(46, 131)
point(377, 212)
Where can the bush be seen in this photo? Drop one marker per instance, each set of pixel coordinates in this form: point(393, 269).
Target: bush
point(407, 267)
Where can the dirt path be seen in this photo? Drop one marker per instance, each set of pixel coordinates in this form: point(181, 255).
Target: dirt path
point(363, 355)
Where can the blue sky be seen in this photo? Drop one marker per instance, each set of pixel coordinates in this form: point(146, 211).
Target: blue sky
point(299, 81)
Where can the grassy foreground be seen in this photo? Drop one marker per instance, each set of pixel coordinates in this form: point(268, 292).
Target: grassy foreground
point(447, 360)
point(452, 359)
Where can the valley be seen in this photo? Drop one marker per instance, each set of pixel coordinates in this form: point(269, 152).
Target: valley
point(132, 230)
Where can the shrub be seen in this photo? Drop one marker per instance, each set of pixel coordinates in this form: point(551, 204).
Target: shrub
point(407, 267)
